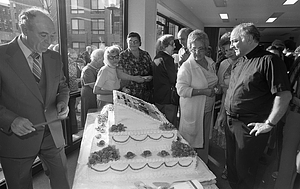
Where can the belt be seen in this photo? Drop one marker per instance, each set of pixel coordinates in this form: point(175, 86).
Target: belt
point(237, 116)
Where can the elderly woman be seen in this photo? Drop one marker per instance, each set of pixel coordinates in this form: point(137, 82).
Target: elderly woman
point(107, 78)
point(136, 62)
point(164, 78)
point(88, 79)
point(196, 85)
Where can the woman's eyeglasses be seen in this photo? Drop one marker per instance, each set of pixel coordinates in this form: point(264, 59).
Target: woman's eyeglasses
point(116, 57)
point(200, 49)
point(134, 42)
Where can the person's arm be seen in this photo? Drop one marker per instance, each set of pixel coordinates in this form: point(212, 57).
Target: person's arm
point(98, 90)
point(125, 76)
point(280, 106)
point(63, 95)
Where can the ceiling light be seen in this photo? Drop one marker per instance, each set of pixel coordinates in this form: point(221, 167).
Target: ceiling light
point(290, 2)
point(224, 16)
point(270, 20)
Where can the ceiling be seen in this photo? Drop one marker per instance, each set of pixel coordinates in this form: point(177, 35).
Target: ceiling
point(255, 11)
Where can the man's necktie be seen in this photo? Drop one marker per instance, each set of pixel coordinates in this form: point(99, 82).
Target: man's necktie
point(36, 67)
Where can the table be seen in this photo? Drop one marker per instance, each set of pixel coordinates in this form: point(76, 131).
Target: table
point(81, 180)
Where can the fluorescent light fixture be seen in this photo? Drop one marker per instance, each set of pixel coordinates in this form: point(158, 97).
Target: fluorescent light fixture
point(290, 2)
point(224, 16)
point(270, 20)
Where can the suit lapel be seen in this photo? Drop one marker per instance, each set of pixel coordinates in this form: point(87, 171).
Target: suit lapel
point(18, 62)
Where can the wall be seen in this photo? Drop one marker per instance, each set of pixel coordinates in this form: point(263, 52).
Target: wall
point(142, 19)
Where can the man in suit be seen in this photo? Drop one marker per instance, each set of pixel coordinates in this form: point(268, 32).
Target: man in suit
point(33, 90)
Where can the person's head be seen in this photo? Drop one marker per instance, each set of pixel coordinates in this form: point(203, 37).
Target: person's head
point(278, 44)
point(274, 50)
point(111, 56)
point(198, 44)
point(244, 38)
point(72, 53)
point(37, 28)
point(88, 49)
point(165, 43)
point(183, 35)
point(97, 57)
point(224, 45)
point(133, 41)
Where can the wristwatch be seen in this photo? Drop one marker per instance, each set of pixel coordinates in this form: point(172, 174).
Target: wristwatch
point(269, 123)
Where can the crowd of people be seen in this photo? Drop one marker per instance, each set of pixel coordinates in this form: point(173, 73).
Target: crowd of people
point(259, 91)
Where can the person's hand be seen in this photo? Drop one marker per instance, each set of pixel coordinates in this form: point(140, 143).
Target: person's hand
point(210, 92)
point(220, 121)
point(147, 78)
point(138, 79)
point(21, 126)
point(259, 128)
point(63, 110)
point(218, 89)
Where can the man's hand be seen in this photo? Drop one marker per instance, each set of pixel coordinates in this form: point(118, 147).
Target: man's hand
point(21, 126)
point(63, 110)
point(259, 128)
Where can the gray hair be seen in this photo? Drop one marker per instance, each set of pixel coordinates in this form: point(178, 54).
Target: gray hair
point(27, 15)
point(97, 55)
point(198, 35)
point(245, 29)
point(109, 50)
point(163, 42)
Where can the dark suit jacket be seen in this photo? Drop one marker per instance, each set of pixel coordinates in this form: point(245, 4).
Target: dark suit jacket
point(20, 96)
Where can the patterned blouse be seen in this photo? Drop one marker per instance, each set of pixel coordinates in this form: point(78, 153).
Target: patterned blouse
point(137, 66)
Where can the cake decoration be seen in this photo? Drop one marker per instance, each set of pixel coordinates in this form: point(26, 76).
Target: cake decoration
point(117, 128)
point(146, 153)
point(105, 155)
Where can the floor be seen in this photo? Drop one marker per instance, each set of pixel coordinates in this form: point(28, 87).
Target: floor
point(216, 165)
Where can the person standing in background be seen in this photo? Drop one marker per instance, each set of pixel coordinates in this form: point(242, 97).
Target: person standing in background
point(164, 78)
point(257, 98)
point(183, 52)
point(136, 62)
point(224, 74)
point(291, 138)
point(88, 79)
point(33, 90)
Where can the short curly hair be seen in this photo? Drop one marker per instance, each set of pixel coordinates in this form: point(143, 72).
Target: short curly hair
point(198, 35)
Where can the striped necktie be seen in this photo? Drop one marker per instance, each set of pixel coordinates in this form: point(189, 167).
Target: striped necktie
point(36, 66)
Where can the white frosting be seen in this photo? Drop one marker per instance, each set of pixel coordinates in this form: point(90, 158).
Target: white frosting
point(142, 133)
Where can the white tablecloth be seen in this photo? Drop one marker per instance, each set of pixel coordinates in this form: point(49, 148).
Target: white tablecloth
point(81, 180)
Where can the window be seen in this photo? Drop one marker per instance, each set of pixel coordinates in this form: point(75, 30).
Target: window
point(97, 5)
point(77, 26)
point(78, 46)
point(77, 6)
point(98, 26)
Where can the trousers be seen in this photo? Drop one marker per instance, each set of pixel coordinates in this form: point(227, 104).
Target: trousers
point(243, 152)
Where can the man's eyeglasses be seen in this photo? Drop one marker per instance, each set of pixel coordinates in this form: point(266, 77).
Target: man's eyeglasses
point(200, 49)
point(116, 57)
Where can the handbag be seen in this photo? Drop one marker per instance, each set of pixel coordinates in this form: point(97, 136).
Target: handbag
point(174, 96)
